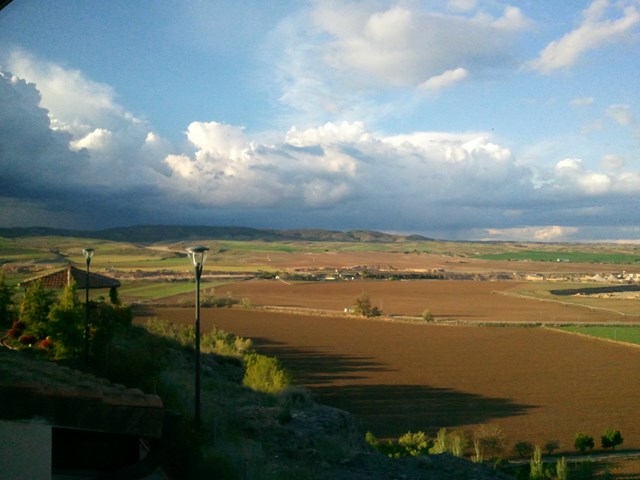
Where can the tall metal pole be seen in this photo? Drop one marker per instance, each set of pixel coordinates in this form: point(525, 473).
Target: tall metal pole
point(198, 256)
point(88, 253)
point(198, 271)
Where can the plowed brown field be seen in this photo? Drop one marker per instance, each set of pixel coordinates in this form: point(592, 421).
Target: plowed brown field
point(535, 383)
point(446, 300)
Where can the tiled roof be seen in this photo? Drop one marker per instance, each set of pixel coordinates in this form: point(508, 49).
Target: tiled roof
point(32, 388)
point(61, 278)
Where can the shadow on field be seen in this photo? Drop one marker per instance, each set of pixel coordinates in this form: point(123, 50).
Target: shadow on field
point(388, 411)
point(315, 367)
point(393, 410)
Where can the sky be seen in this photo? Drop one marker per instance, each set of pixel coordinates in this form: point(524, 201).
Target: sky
point(453, 119)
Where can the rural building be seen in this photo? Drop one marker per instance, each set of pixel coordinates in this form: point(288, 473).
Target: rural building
point(58, 421)
point(60, 279)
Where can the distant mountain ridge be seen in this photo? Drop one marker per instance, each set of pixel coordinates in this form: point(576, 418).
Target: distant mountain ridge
point(176, 233)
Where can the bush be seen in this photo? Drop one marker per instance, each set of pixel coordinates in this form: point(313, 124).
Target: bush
point(523, 449)
point(551, 446)
point(6, 302)
point(583, 442)
point(611, 439)
point(265, 374)
point(492, 440)
point(364, 308)
point(415, 444)
point(427, 316)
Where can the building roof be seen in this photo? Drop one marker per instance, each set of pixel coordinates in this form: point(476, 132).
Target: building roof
point(63, 397)
point(62, 278)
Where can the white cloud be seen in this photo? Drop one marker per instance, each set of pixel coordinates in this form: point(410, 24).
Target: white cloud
point(96, 140)
point(582, 102)
point(552, 233)
point(621, 114)
point(355, 60)
point(594, 31)
point(445, 80)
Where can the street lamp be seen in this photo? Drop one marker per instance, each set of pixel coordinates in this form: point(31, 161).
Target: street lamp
point(198, 255)
point(88, 255)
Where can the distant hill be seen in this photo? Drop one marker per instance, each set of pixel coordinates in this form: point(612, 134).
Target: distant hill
point(175, 233)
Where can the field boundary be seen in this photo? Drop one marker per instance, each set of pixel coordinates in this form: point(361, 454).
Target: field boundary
point(568, 304)
point(558, 328)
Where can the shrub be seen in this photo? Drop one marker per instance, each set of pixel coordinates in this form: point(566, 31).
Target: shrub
point(583, 442)
point(441, 444)
point(492, 440)
point(611, 439)
point(458, 443)
point(364, 308)
point(562, 469)
point(427, 316)
point(523, 449)
point(28, 339)
point(536, 467)
point(551, 446)
point(415, 444)
point(265, 374)
point(6, 301)
point(34, 309)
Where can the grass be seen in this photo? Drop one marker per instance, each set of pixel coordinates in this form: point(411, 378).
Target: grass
point(543, 291)
point(564, 256)
point(617, 333)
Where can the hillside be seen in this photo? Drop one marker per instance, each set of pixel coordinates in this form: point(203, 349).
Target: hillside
point(167, 233)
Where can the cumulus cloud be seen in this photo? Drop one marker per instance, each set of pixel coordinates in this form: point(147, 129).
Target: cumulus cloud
point(445, 80)
point(621, 114)
point(595, 31)
point(551, 233)
point(339, 174)
point(339, 59)
point(582, 102)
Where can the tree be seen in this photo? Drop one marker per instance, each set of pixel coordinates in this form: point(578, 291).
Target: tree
point(523, 449)
point(583, 442)
point(6, 302)
point(364, 308)
point(34, 309)
point(611, 439)
point(65, 324)
point(551, 446)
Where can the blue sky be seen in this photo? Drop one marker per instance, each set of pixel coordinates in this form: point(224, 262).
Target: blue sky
point(455, 119)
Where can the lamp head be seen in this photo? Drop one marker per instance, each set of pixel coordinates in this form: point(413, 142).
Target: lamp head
point(88, 254)
point(198, 255)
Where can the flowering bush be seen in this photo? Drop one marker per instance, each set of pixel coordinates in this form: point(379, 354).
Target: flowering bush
point(47, 343)
point(28, 339)
point(14, 333)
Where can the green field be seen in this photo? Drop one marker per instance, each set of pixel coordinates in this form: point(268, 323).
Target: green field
point(616, 333)
point(564, 256)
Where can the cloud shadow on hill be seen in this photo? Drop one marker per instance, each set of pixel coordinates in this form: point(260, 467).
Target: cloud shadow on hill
point(387, 410)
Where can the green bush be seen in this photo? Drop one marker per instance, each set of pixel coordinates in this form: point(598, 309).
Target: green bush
point(265, 374)
point(34, 309)
point(415, 444)
point(427, 316)
point(583, 442)
point(523, 449)
point(7, 306)
point(364, 308)
point(611, 439)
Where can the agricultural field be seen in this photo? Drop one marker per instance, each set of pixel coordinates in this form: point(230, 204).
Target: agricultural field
point(536, 384)
point(483, 361)
point(447, 300)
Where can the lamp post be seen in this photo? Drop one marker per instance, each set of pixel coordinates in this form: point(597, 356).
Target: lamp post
point(88, 254)
point(198, 255)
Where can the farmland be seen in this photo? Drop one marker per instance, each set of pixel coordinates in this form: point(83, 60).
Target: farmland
point(535, 383)
point(484, 360)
